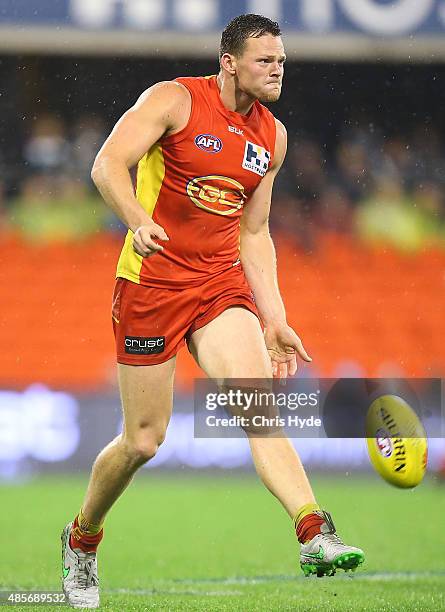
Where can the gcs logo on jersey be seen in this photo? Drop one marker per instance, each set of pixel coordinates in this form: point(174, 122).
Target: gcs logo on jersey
point(217, 194)
point(208, 143)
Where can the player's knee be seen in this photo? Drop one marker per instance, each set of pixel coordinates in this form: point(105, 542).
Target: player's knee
point(143, 446)
point(146, 451)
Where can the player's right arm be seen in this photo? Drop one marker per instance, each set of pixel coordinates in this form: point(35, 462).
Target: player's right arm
point(161, 110)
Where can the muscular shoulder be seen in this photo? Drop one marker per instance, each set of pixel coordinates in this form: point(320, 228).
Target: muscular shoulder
point(280, 143)
point(170, 92)
point(281, 130)
point(171, 99)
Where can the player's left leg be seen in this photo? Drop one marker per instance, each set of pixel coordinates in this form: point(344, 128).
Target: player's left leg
point(231, 346)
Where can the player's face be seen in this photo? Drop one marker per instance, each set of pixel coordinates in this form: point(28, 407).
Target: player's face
point(260, 68)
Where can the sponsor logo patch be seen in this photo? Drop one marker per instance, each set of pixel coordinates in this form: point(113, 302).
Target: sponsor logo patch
point(135, 345)
point(216, 194)
point(208, 143)
point(256, 158)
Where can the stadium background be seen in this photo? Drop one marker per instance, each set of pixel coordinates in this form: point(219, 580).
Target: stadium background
point(358, 215)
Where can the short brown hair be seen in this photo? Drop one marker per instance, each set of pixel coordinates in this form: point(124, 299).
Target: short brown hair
point(235, 34)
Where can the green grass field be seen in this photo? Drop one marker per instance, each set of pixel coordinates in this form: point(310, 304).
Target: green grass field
point(221, 542)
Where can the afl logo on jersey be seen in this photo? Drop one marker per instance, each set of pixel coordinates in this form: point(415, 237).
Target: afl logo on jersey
point(216, 194)
point(208, 143)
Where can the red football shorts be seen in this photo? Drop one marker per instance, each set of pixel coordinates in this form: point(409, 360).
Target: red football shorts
point(151, 325)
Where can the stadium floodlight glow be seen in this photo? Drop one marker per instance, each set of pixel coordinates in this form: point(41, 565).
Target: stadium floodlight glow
point(38, 424)
point(268, 8)
point(317, 16)
point(140, 14)
point(145, 14)
point(399, 17)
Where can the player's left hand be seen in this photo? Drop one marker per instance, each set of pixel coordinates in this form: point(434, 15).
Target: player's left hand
point(284, 346)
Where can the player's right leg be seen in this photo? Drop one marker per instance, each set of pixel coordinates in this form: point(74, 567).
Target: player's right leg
point(147, 394)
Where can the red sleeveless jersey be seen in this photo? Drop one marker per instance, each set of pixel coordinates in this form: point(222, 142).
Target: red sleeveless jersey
point(195, 184)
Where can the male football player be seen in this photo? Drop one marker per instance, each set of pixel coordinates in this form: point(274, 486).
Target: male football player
point(198, 266)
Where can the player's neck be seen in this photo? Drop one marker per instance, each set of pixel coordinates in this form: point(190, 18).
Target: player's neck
point(233, 99)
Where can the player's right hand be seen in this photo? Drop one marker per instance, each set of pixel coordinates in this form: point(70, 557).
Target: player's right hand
point(143, 239)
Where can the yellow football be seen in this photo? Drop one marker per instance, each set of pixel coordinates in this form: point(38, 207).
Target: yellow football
point(397, 443)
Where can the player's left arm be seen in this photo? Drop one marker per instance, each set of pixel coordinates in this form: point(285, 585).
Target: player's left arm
point(258, 258)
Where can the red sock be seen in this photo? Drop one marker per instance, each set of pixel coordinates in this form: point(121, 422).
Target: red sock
point(309, 527)
point(85, 541)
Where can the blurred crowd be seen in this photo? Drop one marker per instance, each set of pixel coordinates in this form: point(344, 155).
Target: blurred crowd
point(382, 189)
point(52, 198)
point(379, 188)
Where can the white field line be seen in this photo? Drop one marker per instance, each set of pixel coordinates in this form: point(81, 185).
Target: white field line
point(173, 587)
point(167, 591)
point(178, 586)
